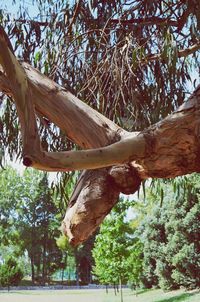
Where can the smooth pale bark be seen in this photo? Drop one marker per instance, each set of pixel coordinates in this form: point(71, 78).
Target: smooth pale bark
point(167, 149)
point(155, 152)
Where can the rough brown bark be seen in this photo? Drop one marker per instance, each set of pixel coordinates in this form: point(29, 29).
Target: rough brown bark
point(174, 143)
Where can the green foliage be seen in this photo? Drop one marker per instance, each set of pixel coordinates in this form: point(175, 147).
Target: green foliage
point(135, 264)
point(171, 237)
point(10, 273)
point(29, 221)
point(68, 258)
point(117, 253)
point(63, 242)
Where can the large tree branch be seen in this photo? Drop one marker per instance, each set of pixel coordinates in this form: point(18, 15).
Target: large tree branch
point(173, 149)
point(82, 124)
point(89, 129)
point(138, 148)
point(33, 154)
point(155, 152)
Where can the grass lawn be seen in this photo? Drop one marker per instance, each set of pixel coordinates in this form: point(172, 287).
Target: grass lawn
point(98, 296)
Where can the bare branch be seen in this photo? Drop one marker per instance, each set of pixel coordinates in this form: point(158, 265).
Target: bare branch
point(141, 21)
point(181, 53)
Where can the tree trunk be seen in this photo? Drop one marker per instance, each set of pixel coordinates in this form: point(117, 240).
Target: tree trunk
point(64, 267)
point(32, 270)
point(44, 263)
point(166, 149)
point(121, 290)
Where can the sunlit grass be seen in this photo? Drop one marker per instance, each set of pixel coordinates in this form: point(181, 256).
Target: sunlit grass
point(98, 296)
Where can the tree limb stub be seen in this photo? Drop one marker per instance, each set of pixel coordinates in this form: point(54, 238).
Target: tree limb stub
point(92, 200)
point(96, 192)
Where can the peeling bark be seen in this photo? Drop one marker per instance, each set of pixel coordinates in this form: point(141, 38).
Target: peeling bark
point(174, 143)
point(93, 198)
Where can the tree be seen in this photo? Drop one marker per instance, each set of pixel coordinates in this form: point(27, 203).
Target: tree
point(135, 264)
point(10, 192)
point(29, 221)
point(115, 251)
point(38, 226)
point(10, 273)
point(84, 260)
point(171, 237)
point(131, 63)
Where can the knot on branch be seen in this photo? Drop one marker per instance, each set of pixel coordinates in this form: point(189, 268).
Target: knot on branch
point(27, 161)
point(125, 178)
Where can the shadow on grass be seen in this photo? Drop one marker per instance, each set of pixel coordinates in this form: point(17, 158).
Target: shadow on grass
point(143, 291)
point(179, 298)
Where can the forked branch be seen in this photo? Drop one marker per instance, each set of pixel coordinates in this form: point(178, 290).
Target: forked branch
point(56, 161)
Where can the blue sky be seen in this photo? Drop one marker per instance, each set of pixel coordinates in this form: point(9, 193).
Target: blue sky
point(13, 8)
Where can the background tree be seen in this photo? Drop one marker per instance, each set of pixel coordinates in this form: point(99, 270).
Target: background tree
point(38, 226)
point(84, 260)
point(29, 221)
point(10, 273)
point(135, 264)
point(171, 237)
point(30, 216)
point(116, 253)
point(10, 192)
